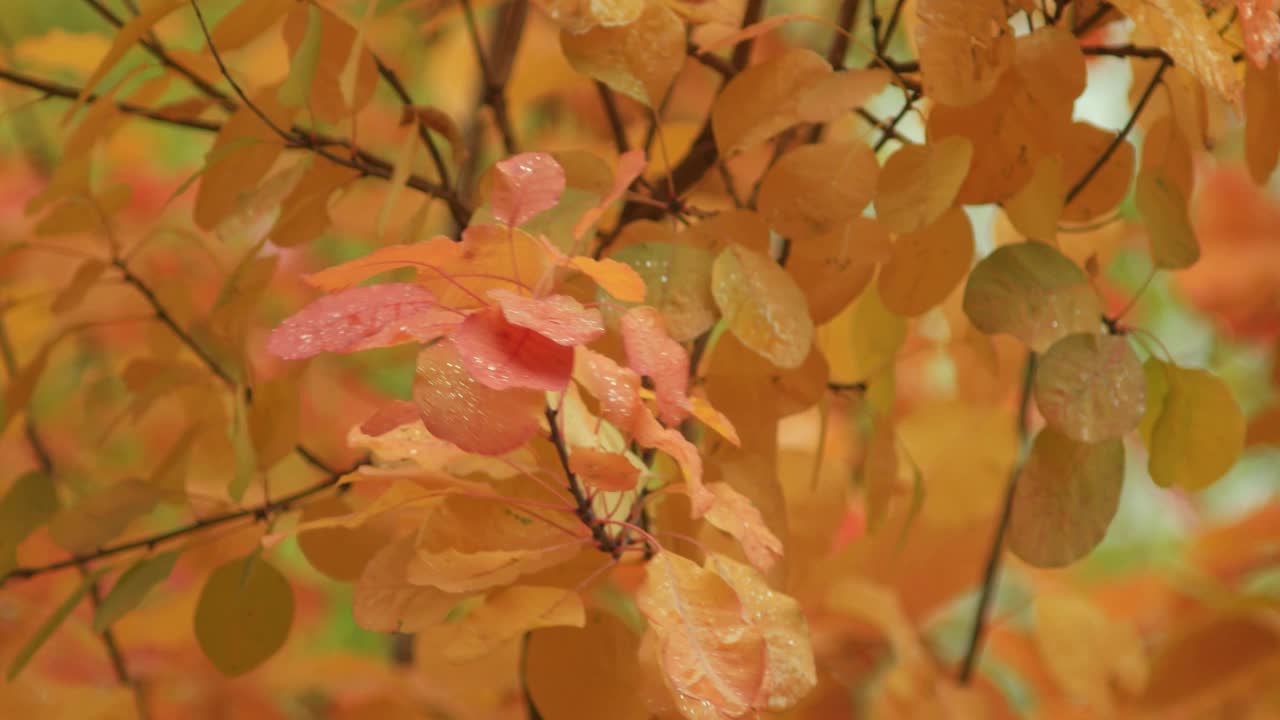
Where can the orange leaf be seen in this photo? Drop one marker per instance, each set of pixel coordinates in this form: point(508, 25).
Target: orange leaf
point(734, 514)
point(615, 278)
point(603, 470)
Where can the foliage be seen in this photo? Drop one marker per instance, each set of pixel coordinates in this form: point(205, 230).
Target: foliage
point(647, 359)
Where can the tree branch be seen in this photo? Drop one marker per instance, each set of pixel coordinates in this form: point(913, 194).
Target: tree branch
point(496, 70)
point(582, 504)
point(991, 572)
point(610, 104)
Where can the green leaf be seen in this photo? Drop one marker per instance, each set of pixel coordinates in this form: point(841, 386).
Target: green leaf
point(1066, 496)
point(677, 280)
point(131, 587)
point(243, 615)
point(42, 635)
point(30, 503)
point(1032, 292)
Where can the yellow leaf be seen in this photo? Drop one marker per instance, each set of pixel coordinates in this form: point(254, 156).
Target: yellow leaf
point(1165, 151)
point(963, 480)
point(677, 281)
point(640, 59)
point(837, 93)
point(762, 306)
point(1086, 651)
point(1196, 428)
point(244, 614)
point(304, 214)
point(1091, 387)
point(324, 70)
point(1066, 496)
point(86, 276)
point(1197, 660)
point(964, 46)
point(862, 341)
point(126, 38)
point(733, 513)
point(229, 173)
point(508, 613)
point(919, 183)
point(247, 21)
point(338, 552)
point(880, 471)
point(1032, 292)
point(80, 52)
point(1182, 30)
point(815, 188)
point(927, 264)
point(604, 650)
point(1164, 210)
point(274, 419)
point(833, 269)
point(623, 283)
point(1036, 209)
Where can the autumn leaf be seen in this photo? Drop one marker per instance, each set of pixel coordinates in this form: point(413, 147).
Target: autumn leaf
point(653, 353)
point(964, 46)
point(1182, 30)
point(762, 306)
point(603, 470)
point(244, 614)
point(734, 514)
point(457, 407)
point(525, 185)
point(1091, 387)
point(510, 612)
point(359, 319)
point(1193, 427)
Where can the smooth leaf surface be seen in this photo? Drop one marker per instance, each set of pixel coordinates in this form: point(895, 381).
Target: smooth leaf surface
point(1091, 387)
point(244, 614)
point(762, 306)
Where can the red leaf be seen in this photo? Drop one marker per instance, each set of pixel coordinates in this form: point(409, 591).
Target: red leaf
point(603, 470)
point(558, 318)
point(501, 355)
point(359, 319)
point(525, 185)
point(652, 352)
point(456, 407)
point(389, 417)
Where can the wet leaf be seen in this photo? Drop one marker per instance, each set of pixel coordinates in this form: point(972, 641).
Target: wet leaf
point(764, 99)
point(361, 318)
point(1091, 387)
point(244, 614)
point(525, 185)
point(677, 281)
point(927, 264)
point(458, 408)
point(501, 355)
point(613, 277)
point(1182, 30)
point(762, 306)
point(709, 653)
point(639, 59)
point(734, 514)
point(1193, 426)
point(558, 318)
point(919, 183)
point(1066, 496)
point(653, 353)
point(1032, 292)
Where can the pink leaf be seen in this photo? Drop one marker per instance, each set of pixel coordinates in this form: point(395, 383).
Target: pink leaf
point(525, 185)
point(603, 470)
point(389, 417)
point(630, 165)
point(456, 407)
point(359, 319)
point(615, 387)
point(558, 318)
point(501, 355)
point(651, 351)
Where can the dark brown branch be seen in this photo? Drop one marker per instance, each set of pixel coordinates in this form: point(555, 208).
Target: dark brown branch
point(742, 52)
point(890, 132)
point(582, 504)
point(424, 134)
point(839, 48)
point(1085, 25)
point(259, 512)
point(1128, 50)
point(496, 69)
point(882, 38)
point(1120, 136)
point(711, 60)
point(164, 59)
point(67, 92)
point(991, 571)
point(616, 127)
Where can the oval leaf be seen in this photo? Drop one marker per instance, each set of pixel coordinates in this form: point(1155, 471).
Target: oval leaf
point(927, 265)
point(243, 615)
point(762, 306)
point(360, 318)
point(1091, 387)
point(920, 182)
point(456, 407)
point(1193, 427)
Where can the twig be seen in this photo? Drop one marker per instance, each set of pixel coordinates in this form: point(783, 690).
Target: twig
point(882, 40)
point(114, 654)
point(1127, 50)
point(163, 57)
point(991, 572)
point(890, 131)
point(839, 48)
point(742, 52)
point(1087, 24)
point(582, 504)
point(259, 512)
point(1120, 137)
point(610, 104)
point(494, 73)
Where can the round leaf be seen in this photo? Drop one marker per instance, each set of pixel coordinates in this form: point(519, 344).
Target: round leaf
point(1032, 292)
point(338, 552)
point(639, 59)
point(762, 306)
point(964, 46)
point(243, 615)
point(927, 265)
point(476, 418)
point(1194, 429)
point(1164, 210)
point(834, 269)
point(1066, 496)
point(677, 281)
point(1109, 184)
point(1091, 387)
point(815, 188)
point(919, 182)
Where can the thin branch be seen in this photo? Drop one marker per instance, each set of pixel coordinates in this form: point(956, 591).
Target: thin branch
point(259, 513)
point(582, 504)
point(711, 60)
point(1128, 50)
point(890, 131)
point(839, 48)
point(112, 647)
point(1120, 137)
point(495, 71)
point(991, 572)
point(1084, 26)
point(67, 92)
point(882, 41)
point(164, 59)
point(742, 52)
point(616, 127)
